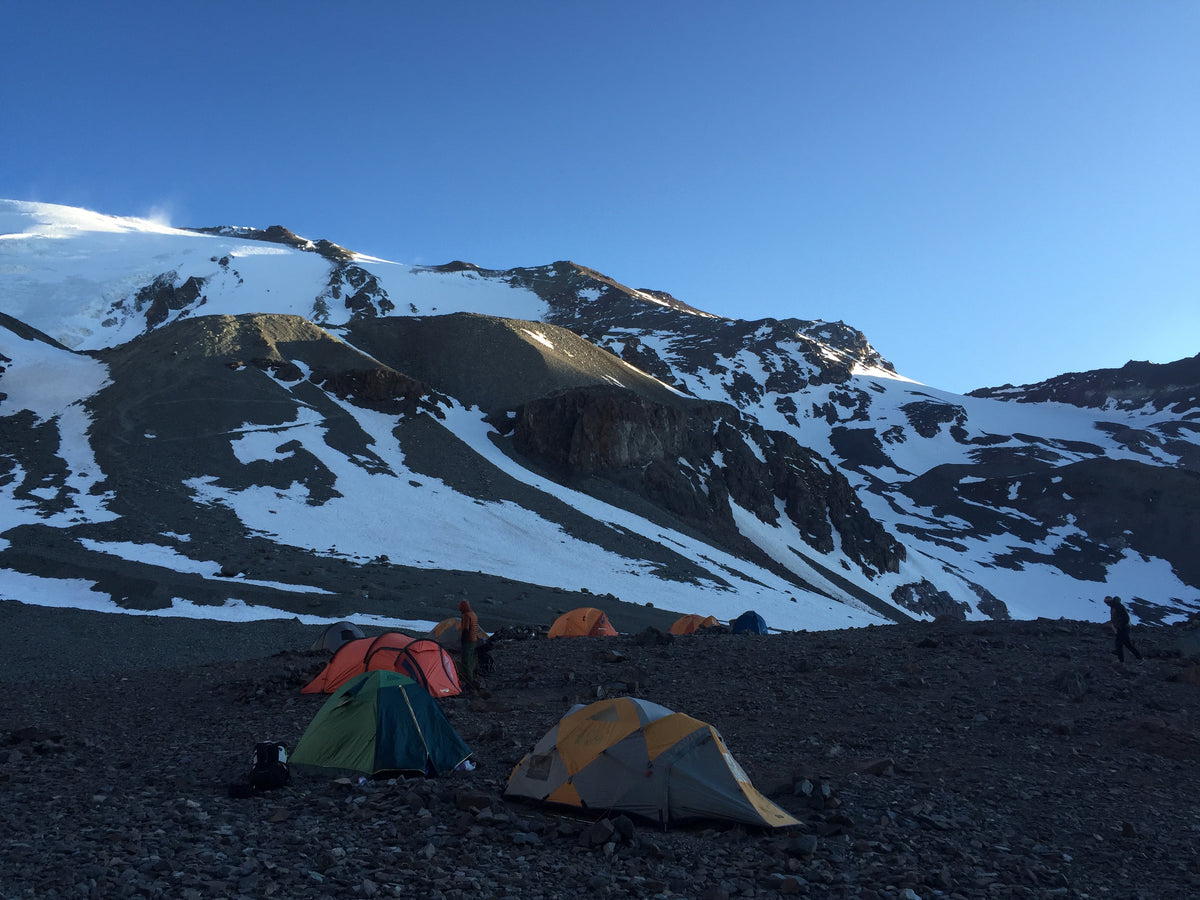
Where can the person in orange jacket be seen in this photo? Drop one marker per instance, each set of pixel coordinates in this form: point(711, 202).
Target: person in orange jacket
point(468, 629)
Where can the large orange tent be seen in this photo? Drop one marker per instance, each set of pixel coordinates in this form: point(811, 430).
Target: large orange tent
point(692, 623)
point(425, 662)
point(582, 622)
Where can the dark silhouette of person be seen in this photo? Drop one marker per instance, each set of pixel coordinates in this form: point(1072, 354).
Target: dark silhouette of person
point(1119, 619)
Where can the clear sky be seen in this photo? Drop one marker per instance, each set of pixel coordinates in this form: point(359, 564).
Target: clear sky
point(992, 191)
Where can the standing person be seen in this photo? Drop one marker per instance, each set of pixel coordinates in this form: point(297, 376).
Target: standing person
point(1119, 619)
point(469, 635)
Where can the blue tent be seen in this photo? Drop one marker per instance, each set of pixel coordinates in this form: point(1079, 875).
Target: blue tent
point(749, 622)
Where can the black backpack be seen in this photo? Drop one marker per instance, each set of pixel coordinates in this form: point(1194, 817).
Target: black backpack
point(270, 768)
point(484, 663)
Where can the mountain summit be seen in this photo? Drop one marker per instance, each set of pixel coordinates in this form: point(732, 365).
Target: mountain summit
point(233, 421)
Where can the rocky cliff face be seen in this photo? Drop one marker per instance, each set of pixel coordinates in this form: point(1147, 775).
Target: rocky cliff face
point(695, 460)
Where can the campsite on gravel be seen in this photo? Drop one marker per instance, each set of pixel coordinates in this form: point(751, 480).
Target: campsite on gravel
point(951, 760)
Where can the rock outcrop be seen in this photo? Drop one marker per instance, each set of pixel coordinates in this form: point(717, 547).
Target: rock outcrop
point(696, 459)
point(1136, 384)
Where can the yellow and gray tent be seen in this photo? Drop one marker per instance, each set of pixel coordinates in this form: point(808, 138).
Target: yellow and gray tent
point(634, 756)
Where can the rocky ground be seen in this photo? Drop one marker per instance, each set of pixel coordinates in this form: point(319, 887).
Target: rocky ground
point(968, 760)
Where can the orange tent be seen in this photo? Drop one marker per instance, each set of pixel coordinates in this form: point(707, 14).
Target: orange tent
point(582, 622)
point(425, 662)
point(446, 632)
point(692, 623)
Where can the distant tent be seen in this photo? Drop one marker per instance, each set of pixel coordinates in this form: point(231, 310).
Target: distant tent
point(335, 635)
point(446, 632)
point(748, 622)
point(425, 662)
point(638, 757)
point(692, 623)
point(380, 722)
point(582, 622)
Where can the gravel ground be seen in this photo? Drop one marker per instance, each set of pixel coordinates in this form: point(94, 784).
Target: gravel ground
point(48, 642)
point(971, 760)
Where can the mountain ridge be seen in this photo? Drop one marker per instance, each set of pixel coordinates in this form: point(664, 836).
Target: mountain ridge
point(778, 465)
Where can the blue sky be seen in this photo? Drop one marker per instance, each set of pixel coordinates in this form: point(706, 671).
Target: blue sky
point(992, 192)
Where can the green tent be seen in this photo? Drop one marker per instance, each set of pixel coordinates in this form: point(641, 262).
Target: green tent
point(380, 722)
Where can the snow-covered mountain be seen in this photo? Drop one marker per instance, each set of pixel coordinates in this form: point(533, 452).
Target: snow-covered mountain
point(227, 421)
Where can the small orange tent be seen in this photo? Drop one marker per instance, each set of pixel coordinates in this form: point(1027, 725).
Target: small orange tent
point(425, 662)
point(582, 622)
point(447, 634)
point(690, 624)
